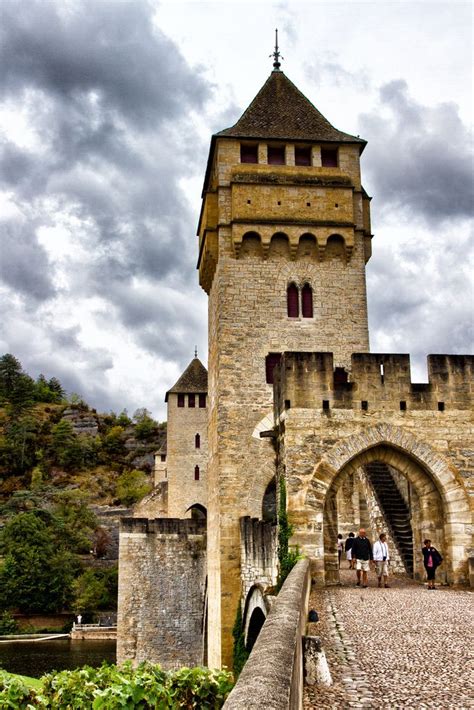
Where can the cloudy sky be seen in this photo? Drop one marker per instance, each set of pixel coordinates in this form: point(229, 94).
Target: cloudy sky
point(106, 111)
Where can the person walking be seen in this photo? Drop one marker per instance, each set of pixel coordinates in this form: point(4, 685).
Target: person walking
point(381, 559)
point(362, 553)
point(348, 549)
point(431, 559)
point(340, 546)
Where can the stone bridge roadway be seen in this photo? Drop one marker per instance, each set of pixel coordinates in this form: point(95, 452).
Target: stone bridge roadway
point(403, 647)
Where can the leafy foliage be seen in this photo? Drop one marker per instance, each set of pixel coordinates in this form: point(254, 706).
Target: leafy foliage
point(145, 426)
point(95, 589)
point(132, 486)
point(110, 687)
point(240, 653)
point(287, 558)
point(8, 624)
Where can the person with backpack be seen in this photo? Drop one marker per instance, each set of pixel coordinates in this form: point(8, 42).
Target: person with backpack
point(431, 559)
point(362, 553)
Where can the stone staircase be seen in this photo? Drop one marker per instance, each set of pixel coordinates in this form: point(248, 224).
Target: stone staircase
point(395, 510)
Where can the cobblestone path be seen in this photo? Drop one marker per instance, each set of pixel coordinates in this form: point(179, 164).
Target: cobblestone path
point(403, 647)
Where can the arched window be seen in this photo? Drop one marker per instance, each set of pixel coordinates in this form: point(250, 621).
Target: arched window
point(292, 298)
point(307, 301)
point(197, 441)
point(196, 473)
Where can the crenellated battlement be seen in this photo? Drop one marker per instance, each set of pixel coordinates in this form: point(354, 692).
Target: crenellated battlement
point(375, 381)
point(162, 526)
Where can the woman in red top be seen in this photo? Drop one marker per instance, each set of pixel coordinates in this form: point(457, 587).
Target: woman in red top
point(431, 559)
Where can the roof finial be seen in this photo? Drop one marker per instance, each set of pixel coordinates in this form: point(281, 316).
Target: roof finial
point(195, 351)
point(276, 54)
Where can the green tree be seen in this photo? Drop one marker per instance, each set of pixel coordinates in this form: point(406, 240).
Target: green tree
point(67, 448)
point(16, 387)
point(18, 445)
point(145, 426)
point(113, 441)
point(74, 520)
point(37, 572)
point(95, 589)
point(132, 486)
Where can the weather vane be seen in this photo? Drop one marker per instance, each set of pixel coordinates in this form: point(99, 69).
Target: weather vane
point(195, 351)
point(276, 54)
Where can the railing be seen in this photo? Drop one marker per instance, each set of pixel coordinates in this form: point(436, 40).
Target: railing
point(273, 675)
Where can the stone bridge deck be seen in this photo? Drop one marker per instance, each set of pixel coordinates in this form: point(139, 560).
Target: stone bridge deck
point(403, 647)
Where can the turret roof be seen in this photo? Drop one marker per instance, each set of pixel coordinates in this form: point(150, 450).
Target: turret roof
point(280, 110)
point(193, 379)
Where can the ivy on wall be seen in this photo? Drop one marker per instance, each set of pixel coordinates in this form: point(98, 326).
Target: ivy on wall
point(240, 653)
point(287, 558)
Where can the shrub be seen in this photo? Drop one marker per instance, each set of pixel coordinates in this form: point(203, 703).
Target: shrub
point(132, 486)
point(8, 624)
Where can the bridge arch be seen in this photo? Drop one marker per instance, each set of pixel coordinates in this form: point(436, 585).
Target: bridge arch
point(255, 613)
point(442, 506)
point(198, 511)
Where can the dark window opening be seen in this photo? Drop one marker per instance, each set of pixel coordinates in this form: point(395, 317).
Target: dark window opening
point(364, 405)
point(336, 205)
point(307, 301)
point(325, 405)
point(269, 510)
point(249, 202)
point(181, 400)
point(202, 401)
point(308, 204)
point(440, 406)
point(197, 441)
point(276, 155)
point(278, 203)
point(403, 406)
point(191, 400)
point(287, 404)
point(163, 457)
point(340, 376)
point(196, 473)
point(271, 361)
point(198, 512)
point(249, 153)
point(292, 298)
point(329, 157)
point(302, 156)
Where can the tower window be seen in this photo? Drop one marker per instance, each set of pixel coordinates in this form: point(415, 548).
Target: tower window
point(403, 406)
point(202, 401)
point(180, 400)
point(364, 405)
point(276, 155)
point(271, 361)
point(197, 441)
point(329, 157)
point(292, 298)
point(440, 406)
point(196, 473)
point(191, 400)
point(163, 457)
point(249, 153)
point(340, 376)
point(302, 156)
point(307, 301)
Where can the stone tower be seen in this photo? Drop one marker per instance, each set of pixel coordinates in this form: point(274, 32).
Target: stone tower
point(284, 235)
point(187, 448)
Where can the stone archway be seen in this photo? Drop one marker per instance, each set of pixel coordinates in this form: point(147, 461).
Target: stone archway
point(443, 502)
point(255, 613)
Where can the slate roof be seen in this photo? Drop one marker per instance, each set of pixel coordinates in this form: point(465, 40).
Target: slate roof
point(281, 111)
point(193, 379)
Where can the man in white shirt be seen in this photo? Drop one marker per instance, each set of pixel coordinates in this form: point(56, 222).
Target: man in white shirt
point(381, 558)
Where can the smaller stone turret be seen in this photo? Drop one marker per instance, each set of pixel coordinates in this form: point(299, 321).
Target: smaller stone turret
point(186, 445)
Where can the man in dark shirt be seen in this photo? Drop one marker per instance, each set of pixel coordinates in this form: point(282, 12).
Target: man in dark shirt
point(362, 553)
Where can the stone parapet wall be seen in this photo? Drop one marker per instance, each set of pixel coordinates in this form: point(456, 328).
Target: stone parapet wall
point(273, 674)
point(258, 554)
point(162, 586)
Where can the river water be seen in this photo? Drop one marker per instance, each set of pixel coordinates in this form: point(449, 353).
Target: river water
point(34, 658)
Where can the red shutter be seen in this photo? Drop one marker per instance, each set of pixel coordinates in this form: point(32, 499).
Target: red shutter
point(276, 155)
point(202, 401)
point(329, 157)
point(180, 400)
point(249, 153)
point(307, 301)
point(302, 156)
point(292, 301)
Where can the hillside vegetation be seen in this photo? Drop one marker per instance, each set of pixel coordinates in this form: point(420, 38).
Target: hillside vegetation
point(59, 461)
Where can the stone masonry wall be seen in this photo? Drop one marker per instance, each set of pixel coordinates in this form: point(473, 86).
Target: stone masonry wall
point(258, 554)
point(162, 575)
point(325, 433)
